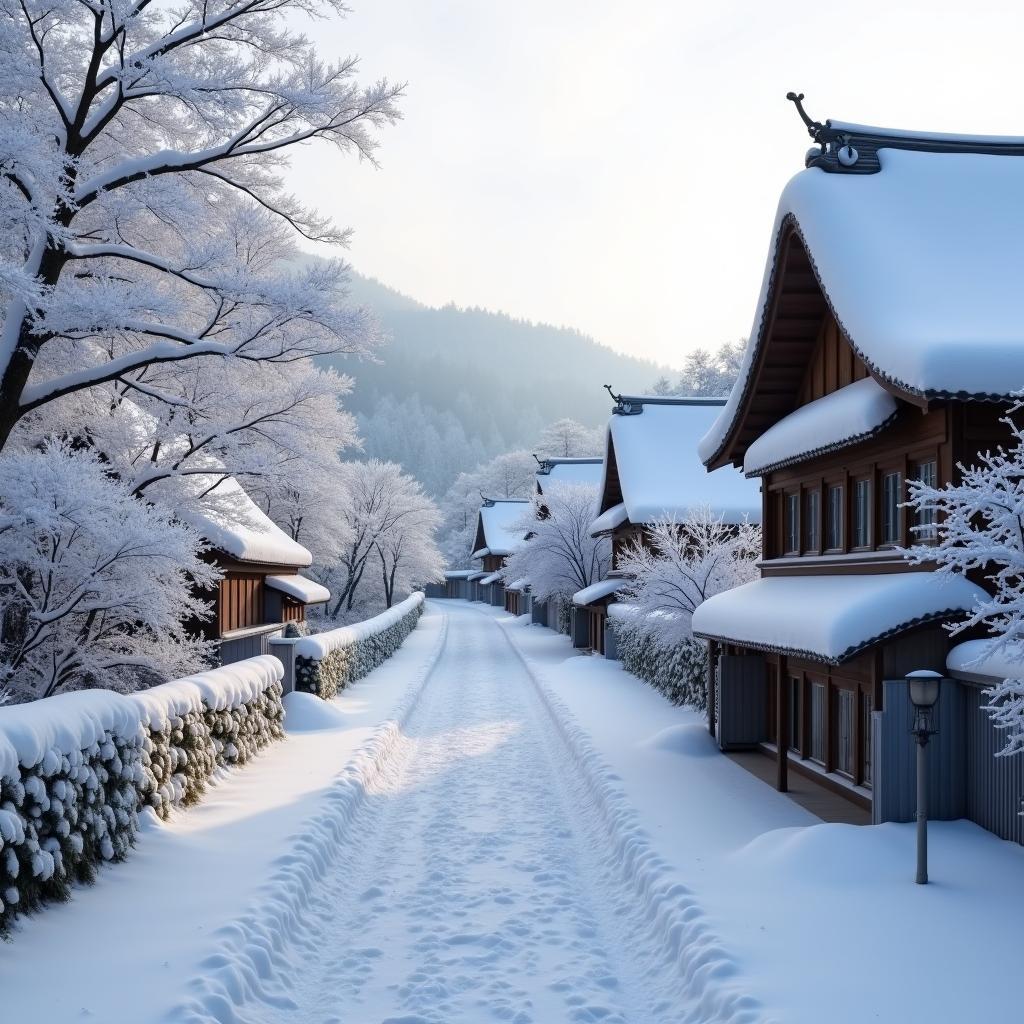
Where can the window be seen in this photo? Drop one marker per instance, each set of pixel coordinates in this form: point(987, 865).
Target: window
point(867, 706)
point(891, 496)
point(818, 722)
point(794, 714)
point(862, 513)
point(792, 522)
point(925, 530)
point(812, 520)
point(846, 704)
point(834, 525)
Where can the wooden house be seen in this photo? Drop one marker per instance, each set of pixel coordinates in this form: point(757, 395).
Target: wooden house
point(496, 538)
point(888, 337)
point(261, 589)
point(651, 470)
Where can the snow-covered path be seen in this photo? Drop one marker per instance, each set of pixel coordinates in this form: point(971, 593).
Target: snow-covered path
point(478, 881)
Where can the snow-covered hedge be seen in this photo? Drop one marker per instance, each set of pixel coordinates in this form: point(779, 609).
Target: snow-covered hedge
point(76, 768)
point(679, 671)
point(327, 662)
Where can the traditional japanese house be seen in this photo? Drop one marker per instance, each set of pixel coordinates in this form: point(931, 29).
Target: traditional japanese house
point(496, 538)
point(456, 583)
point(261, 589)
point(651, 470)
point(888, 337)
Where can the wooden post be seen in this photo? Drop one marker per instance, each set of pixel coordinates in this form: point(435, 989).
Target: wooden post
point(782, 685)
point(712, 663)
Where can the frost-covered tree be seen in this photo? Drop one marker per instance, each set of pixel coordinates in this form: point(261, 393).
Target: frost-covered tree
point(568, 439)
point(560, 557)
point(977, 526)
point(674, 569)
point(140, 155)
point(95, 585)
point(408, 552)
point(705, 372)
point(376, 502)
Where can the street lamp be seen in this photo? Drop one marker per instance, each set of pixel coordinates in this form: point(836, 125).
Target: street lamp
point(923, 687)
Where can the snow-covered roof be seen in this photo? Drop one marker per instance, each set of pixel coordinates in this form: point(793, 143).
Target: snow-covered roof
point(654, 448)
point(494, 577)
point(302, 588)
point(459, 574)
point(986, 659)
point(919, 263)
point(608, 520)
point(596, 591)
point(830, 618)
point(233, 523)
point(845, 417)
point(518, 586)
point(569, 471)
point(494, 526)
point(478, 575)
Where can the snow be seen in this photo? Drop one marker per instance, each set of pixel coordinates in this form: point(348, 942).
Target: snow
point(842, 418)
point(302, 588)
point(570, 471)
point(236, 526)
point(218, 689)
point(603, 588)
point(481, 553)
point(660, 474)
point(239, 855)
point(986, 658)
point(478, 575)
point(919, 263)
point(609, 519)
point(459, 574)
point(319, 645)
point(66, 722)
point(518, 585)
point(827, 617)
point(497, 520)
point(495, 577)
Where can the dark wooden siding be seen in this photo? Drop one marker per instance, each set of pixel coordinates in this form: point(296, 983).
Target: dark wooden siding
point(240, 601)
point(833, 365)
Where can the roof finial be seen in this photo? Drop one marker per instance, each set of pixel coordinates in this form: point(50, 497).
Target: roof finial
point(813, 127)
point(615, 398)
point(538, 459)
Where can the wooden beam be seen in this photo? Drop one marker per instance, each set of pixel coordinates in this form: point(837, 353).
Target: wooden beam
point(782, 728)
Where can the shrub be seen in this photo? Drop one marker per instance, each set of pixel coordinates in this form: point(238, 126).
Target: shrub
point(679, 672)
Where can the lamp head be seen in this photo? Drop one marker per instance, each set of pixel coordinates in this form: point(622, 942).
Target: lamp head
point(923, 686)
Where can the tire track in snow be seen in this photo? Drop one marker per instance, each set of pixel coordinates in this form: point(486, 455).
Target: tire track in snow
point(246, 966)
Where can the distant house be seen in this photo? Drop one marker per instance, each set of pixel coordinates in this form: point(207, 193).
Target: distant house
point(887, 341)
point(495, 539)
point(651, 470)
point(261, 589)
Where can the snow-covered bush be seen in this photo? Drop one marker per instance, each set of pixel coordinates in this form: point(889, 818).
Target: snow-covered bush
point(678, 671)
point(326, 663)
point(76, 769)
point(674, 568)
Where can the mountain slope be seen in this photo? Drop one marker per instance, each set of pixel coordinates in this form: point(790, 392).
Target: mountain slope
point(455, 386)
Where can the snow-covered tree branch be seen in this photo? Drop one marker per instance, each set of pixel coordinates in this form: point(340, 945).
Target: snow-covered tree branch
point(143, 218)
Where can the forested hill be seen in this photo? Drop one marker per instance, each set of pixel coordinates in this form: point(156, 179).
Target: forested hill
point(455, 386)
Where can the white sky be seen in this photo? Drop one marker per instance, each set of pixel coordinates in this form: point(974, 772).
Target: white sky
point(615, 166)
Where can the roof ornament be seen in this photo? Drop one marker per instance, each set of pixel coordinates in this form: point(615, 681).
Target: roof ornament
point(623, 406)
point(813, 127)
point(487, 502)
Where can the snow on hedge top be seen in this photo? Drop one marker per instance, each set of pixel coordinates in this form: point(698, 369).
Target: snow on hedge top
point(497, 521)
point(218, 689)
point(603, 588)
point(842, 418)
point(921, 263)
point(987, 658)
point(570, 471)
point(302, 588)
point(233, 523)
point(830, 618)
point(319, 645)
point(64, 724)
point(659, 470)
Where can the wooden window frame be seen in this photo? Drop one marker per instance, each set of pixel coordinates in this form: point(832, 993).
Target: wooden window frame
point(856, 479)
point(826, 515)
point(887, 472)
point(791, 498)
point(811, 522)
point(914, 464)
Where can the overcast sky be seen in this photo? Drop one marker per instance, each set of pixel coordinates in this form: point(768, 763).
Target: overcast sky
point(615, 166)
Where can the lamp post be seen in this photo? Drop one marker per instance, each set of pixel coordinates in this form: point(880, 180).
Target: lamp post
point(923, 687)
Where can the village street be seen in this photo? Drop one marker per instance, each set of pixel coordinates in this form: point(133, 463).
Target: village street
point(482, 877)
